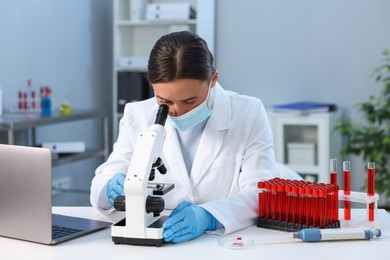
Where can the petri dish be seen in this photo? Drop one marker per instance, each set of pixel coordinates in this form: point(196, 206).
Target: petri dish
point(235, 242)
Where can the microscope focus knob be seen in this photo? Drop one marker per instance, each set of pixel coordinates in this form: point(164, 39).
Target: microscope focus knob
point(120, 203)
point(154, 204)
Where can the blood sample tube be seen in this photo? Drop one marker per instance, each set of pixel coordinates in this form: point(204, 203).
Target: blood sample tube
point(308, 205)
point(347, 189)
point(294, 206)
point(321, 206)
point(280, 201)
point(333, 181)
point(274, 202)
point(20, 100)
point(333, 171)
point(285, 202)
point(25, 101)
point(288, 204)
point(371, 189)
point(335, 205)
point(267, 196)
point(324, 208)
point(329, 210)
point(314, 206)
point(33, 100)
point(260, 185)
point(300, 204)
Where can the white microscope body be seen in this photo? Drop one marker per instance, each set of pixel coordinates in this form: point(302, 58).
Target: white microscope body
point(143, 223)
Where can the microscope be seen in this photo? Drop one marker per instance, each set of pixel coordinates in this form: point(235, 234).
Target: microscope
point(143, 200)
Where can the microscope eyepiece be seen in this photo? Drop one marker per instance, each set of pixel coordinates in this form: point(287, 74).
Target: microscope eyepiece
point(162, 114)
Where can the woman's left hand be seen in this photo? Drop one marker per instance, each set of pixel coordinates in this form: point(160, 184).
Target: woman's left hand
point(187, 221)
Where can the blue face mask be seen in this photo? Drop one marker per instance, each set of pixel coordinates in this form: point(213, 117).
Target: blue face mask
point(192, 118)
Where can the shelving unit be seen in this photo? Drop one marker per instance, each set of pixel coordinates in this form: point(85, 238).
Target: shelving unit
point(305, 143)
point(134, 37)
point(11, 123)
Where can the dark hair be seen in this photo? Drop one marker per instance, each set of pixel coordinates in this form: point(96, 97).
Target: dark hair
point(180, 55)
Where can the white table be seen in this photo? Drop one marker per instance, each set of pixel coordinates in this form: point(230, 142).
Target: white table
point(270, 244)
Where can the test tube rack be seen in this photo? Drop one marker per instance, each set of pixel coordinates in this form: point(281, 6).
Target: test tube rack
point(360, 221)
point(291, 205)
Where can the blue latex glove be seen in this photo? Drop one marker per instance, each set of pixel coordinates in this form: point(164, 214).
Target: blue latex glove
point(115, 187)
point(187, 221)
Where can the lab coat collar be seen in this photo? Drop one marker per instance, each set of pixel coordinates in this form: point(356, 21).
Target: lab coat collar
point(209, 145)
point(212, 137)
point(220, 118)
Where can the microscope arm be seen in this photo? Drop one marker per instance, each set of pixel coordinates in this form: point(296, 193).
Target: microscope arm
point(147, 151)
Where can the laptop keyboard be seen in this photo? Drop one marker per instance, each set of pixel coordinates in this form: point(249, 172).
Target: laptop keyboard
point(59, 231)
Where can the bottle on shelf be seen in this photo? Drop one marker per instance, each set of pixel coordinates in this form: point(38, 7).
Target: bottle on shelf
point(46, 101)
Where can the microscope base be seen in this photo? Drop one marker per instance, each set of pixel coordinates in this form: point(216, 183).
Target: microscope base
point(138, 241)
point(154, 239)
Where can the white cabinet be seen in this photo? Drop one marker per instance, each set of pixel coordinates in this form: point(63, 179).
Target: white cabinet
point(134, 37)
point(305, 143)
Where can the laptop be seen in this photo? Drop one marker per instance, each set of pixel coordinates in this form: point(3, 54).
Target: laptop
point(25, 199)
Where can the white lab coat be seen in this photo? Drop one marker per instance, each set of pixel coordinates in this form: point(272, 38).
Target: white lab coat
point(235, 152)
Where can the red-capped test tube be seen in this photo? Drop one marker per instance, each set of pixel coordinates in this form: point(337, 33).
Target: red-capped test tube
point(20, 100)
point(347, 189)
point(333, 180)
point(281, 201)
point(335, 204)
point(262, 200)
point(371, 189)
point(294, 204)
point(267, 197)
point(333, 171)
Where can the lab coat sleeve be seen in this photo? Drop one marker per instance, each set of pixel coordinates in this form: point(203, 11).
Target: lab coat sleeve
point(235, 212)
point(239, 210)
point(117, 162)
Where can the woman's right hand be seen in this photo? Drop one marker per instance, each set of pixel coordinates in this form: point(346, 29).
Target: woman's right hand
point(115, 187)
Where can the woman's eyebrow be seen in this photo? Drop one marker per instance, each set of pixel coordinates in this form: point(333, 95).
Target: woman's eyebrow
point(167, 100)
point(189, 99)
point(163, 99)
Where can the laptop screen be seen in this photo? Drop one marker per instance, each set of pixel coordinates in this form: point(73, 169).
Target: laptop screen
point(25, 193)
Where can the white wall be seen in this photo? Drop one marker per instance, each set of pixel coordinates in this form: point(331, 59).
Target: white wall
point(66, 45)
point(277, 50)
point(318, 50)
point(60, 43)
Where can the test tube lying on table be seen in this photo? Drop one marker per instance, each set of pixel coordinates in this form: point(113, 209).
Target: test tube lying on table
point(316, 234)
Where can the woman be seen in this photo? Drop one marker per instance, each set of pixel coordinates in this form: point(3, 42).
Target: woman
point(218, 144)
